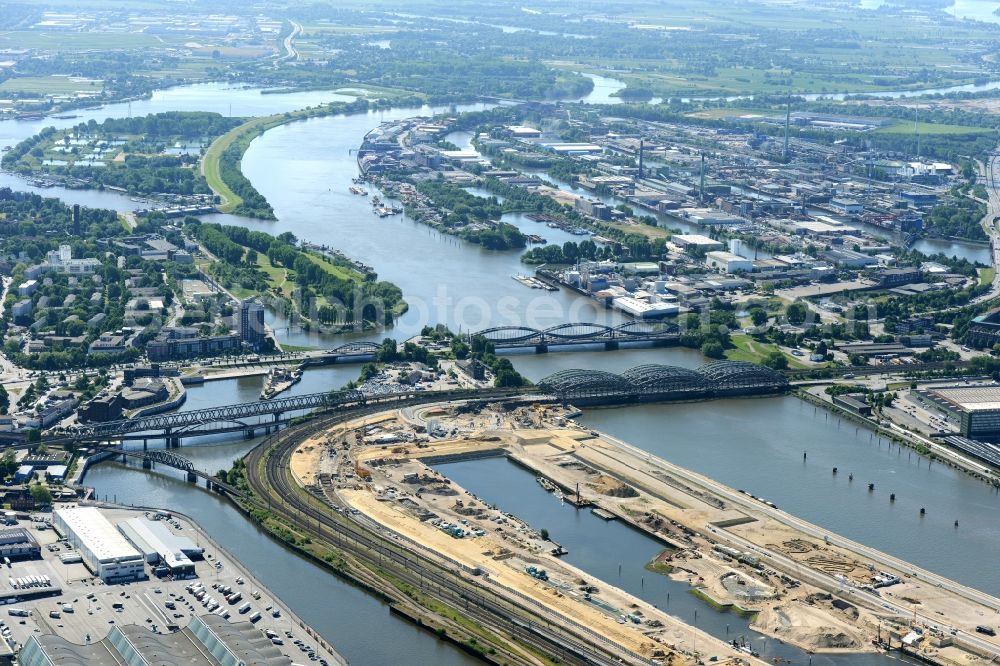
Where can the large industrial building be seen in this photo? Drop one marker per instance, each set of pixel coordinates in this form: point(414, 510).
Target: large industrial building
point(728, 262)
point(208, 640)
point(984, 331)
point(18, 543)
point(696, 242)
point(159, 545)
point(974, 409)
point(105, 552)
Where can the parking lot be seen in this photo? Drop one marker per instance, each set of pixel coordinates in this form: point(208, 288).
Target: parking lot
point(86, 608)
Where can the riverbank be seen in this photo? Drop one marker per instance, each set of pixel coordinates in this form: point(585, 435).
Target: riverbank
point(221, 164)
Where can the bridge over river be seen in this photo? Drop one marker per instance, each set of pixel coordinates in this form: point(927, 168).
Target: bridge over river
point(575, 334)
point(647, 383)
point(263, 415)
point(580, 333)
point(170, 459)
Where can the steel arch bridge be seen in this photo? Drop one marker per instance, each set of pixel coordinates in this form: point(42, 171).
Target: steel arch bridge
point(169, 459)
point(737, 377)
point(235, 414)
point(654, 379)
point(355, 349)
point(590, 385)
point(164, 458)
point(648, 383)
point(579, 333)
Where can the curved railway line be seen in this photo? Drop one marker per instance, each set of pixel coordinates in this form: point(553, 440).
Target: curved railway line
point(269, 475)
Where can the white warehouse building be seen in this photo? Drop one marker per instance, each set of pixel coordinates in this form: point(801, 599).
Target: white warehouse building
point(104, 550)
point(728, 262)
point(159, 544)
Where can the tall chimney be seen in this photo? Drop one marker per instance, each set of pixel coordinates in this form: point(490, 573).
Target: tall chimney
point(701, 187)
point(641, 145)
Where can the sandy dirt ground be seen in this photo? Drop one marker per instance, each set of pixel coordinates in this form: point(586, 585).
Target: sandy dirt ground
point(305, 460)
point(804, 625)
point(482, 552)
point(557, 195)
point(717, 580)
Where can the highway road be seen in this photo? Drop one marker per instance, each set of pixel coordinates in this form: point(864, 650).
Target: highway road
point(290, 52)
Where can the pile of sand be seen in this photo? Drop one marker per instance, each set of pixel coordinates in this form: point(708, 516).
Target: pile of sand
point(612, 487)
point(809, 628)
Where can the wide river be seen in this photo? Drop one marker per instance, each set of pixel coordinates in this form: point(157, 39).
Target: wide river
point(304, 169)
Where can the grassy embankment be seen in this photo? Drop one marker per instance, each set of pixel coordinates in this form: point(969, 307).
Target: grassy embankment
point(931, 129)
point(280, 281)
point(748, 349)
point(52, 85)
point(650, 232)
point(986, 276)
point(279, 278)
point(211, 163)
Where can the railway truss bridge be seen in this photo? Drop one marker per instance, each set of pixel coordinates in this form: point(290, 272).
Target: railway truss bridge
point(519, 337)
point(252, 418)
point(151, 459)
point(664, 383)
point(645, 383)
point(248, 418)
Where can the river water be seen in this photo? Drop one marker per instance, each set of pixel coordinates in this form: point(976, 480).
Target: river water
point(605, 87)
point(976, 10)
point(304, 170)
point(757, 445)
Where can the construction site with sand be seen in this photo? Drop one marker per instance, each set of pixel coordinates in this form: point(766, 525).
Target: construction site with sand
point(798, 583)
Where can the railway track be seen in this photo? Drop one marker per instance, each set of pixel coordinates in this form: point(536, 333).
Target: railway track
point(550, 635)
